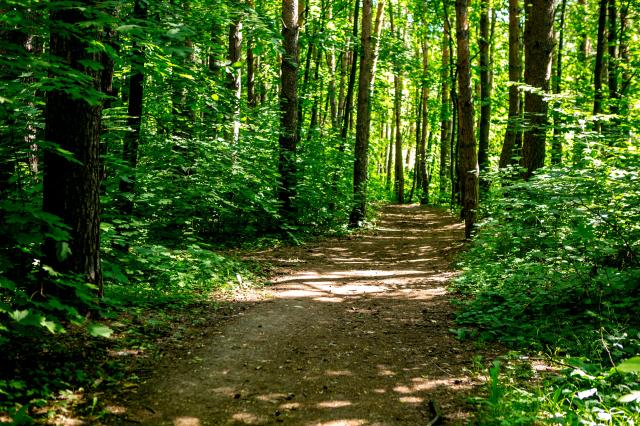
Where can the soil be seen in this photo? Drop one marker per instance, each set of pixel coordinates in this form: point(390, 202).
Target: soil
point(353, 331)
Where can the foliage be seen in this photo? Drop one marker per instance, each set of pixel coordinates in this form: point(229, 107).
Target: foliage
point(554, 269)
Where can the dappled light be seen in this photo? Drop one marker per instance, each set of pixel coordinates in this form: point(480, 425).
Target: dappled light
point(356, 334)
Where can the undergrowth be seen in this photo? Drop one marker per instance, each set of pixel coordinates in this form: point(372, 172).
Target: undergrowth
point(554, 272)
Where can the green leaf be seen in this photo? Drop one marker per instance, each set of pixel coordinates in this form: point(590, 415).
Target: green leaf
point(99, 330)
point(631, 365)
point(630, 397)
point(19, 315)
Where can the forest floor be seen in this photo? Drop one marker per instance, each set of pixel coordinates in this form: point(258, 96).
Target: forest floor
point(353, 331)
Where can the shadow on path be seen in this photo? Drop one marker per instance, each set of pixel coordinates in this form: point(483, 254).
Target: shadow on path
point(356, 332)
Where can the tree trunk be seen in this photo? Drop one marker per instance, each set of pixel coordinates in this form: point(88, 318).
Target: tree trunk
point(625, 61)
point(288, 109)
point(251, 68)
point(134, 112)
point(612, 64)
point(538, 51)
point(468, 155)
point(234, 76)
point(71, 188)
point(445, 114)
point(556, 145)
point(390, 159)
point(398, 88)
point(331, 90)
point(364, 118)
point(379, 22)
point(423, 178)
point(512, 139)
point(485, 94)
point(348, 103)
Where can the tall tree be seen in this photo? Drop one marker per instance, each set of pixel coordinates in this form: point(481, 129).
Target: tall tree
point(612, 63)
point(251, 66)
point(513, 135)
point(234, 75)
point(134, 112)
point(288, 108)
point(556, 144)
point(422, 175)
point(72, 185)
point(538, 49)
point(485, 93)
point(397, 105)
point(364, 118)
point(469, 170)
point(445, 115)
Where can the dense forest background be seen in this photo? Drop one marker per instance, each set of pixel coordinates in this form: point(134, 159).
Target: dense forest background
point(139, 137)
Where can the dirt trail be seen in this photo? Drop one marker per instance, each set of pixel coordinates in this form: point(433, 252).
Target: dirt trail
point(355, 332)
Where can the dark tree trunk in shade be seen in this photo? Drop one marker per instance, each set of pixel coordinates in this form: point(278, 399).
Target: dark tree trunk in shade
point(71, 188)
point(288, 109)
point(538, 49)
point(513, 135)
point(625, 62)
point(468, 154)
point(361, 153)
point(485, 95)
point(556, 144)
point(612, 64)
point(348, 102)
point(134, 112)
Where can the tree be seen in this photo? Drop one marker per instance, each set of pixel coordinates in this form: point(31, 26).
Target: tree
point(134, 112)
point(538, 48)
point(72, 182)
point(288, 108)
point(397, 105)
point(485, 93)
point(468, 155)
point(445, 116)
point(234, 75)
point(363, 122)
point(513, 136)
point(422, 175)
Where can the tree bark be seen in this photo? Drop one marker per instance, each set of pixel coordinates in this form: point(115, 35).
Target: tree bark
point(468, 155)
point(445, 114)
point(538, 51)
point(556, 145)
point(134, 114)
point(485, 94)
point(71, 187)
point(364, 119)
point(348, 103)
point(251, 68)
point(288, 139)
point(423, 177)
point(398, 88)
point(612, 64)
point(390, 159)
point(512, 139)
point(234, 76)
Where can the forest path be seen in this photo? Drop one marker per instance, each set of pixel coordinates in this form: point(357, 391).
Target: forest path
point(354, 332)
